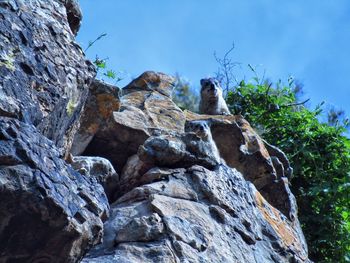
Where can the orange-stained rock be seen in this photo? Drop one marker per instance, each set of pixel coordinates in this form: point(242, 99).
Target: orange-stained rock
point(242, 148)
point(289, 234)
point(152, 81)
point(103, 100)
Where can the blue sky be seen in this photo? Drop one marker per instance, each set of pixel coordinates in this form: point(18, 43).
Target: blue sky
point(309, 40)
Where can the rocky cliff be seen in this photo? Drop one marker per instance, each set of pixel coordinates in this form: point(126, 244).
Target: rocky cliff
point(92, 173)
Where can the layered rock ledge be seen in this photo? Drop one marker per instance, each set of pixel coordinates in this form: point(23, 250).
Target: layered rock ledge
point(176, 202)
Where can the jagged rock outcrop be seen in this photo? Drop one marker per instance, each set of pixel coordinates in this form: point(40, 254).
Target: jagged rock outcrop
point(146, 108)
point(178, 202)
point(217, 194)
point(44, 75)
point(264, 165)
point(197, 215)
point(48, 211)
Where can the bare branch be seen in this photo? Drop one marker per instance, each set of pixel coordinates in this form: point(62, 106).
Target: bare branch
point(295, 104)
point(225, 73)
point(91, 43)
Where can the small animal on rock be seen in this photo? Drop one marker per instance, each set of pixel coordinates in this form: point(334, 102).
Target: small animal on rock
point(207, 145)
point(212, 101)
point(200, 128)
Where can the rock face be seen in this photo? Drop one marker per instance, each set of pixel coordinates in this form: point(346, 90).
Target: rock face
point(48, 211)
point(264, 165)
point(192, 188)
point(44, 76)
point(197, 215)
point(102, 101)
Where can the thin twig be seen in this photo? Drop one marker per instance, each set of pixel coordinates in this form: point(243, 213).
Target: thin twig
point(93, 42)
point(295, 104)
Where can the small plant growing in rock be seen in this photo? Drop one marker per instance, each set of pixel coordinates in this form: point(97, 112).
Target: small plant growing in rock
point(101, 64)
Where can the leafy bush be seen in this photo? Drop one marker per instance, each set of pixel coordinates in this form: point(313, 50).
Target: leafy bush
point(320, 155)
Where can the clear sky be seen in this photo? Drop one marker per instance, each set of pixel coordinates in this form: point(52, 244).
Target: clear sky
point(307, 39)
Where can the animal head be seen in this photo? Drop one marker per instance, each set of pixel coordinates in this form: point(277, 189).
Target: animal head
point(200, 128)
point(211, 88)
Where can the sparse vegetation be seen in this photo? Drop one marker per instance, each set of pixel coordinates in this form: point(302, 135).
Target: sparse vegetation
point(101, 64)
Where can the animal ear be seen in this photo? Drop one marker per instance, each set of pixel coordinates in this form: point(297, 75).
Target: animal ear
point(203, 82)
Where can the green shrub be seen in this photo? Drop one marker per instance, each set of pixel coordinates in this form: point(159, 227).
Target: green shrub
point(320, 155)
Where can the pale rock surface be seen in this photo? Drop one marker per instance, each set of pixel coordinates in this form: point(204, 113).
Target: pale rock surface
point(146, 108)
point(198, 215)
point(178, 202)
point(99, 168)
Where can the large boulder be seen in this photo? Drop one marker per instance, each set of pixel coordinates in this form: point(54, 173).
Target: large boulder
point(197, 215)
point(240, 146)
point(178, 151)
point(48, 212)
point(146, 107)
point(264, 165)
point(179, 202)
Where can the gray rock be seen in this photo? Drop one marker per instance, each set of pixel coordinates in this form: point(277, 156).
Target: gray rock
point(264, 165)
point(99, 168)
point(44, 76)
point(48, 212)
point(146, 228)
point(227, 221)
point(179, 150)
